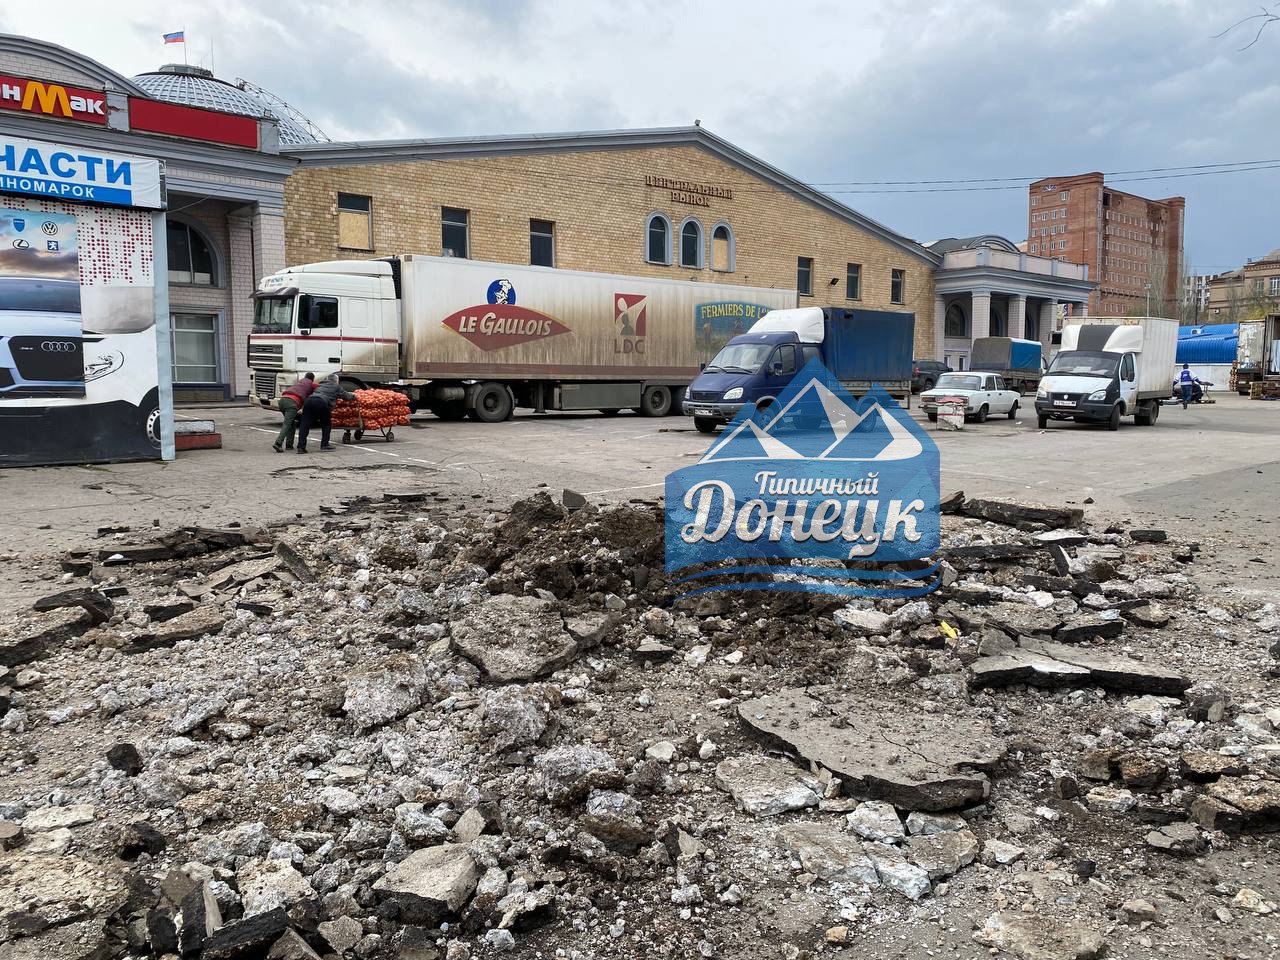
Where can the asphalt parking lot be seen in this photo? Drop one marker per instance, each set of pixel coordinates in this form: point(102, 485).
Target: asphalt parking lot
point(1211, 469)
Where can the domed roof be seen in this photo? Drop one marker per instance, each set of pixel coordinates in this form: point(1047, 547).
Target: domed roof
point(198, 87)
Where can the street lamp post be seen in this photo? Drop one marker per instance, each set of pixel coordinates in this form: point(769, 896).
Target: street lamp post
point(1148, 299)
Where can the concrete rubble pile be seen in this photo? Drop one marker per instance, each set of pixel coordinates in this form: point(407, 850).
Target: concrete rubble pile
point(417, 729)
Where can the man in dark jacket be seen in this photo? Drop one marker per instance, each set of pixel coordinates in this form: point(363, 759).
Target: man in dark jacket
point(319, 409)
point(290, 403)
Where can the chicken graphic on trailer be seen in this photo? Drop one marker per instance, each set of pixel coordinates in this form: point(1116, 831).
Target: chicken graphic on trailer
point(469, 338)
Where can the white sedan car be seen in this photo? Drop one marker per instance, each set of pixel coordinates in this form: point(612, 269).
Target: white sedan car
point(984, 394)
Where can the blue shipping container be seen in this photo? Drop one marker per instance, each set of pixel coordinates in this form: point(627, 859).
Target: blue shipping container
point(871, 345)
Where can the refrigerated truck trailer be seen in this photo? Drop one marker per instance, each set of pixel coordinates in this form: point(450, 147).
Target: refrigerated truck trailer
point(466, 337)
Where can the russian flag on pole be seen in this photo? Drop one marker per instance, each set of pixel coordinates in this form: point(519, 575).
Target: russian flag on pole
point(178, 37)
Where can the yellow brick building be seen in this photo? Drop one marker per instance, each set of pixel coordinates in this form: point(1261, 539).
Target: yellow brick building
point(672, 203)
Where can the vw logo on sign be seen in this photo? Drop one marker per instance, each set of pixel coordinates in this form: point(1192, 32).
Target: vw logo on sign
point(58, 346)
point(49, 228)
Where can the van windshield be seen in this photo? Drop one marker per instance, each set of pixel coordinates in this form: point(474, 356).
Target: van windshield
point(740, 358)
point(273, 315)
point(1079, 363)
point(39, 295)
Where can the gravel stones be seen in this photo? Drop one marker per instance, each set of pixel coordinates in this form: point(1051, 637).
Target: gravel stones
point(514, 639)
point(765, 787)
point(925, 762)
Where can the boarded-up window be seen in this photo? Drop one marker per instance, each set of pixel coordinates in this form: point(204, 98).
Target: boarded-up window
point(355, 222)
point(722, 252)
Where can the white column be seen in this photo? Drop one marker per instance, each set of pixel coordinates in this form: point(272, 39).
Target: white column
point(1048, 314)
point(1017, 317)
point(980, 325)
point(939, 327)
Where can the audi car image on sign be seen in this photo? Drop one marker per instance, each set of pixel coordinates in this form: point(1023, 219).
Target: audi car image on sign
point(41, 348)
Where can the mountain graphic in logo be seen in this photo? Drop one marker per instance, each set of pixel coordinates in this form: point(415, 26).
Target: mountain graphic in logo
point(813, 421)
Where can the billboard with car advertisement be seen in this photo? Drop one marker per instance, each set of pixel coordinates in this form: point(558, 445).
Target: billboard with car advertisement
point(80, 372)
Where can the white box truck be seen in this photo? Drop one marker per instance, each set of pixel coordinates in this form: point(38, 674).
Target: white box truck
point(1108, 368)
point(466, 337)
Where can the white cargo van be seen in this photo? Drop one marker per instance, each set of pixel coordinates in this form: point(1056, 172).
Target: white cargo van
point(1109, 368)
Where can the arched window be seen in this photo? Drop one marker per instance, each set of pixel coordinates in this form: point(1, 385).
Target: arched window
point(723, 253)
point(691, 244)
point(190, 257)
point(956, 326)
point(658, 239)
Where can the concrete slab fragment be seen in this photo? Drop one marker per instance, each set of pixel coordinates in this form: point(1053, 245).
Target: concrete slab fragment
point(914, 761)
point(514, 639)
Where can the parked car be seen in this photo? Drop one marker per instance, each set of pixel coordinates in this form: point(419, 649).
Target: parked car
point(984, 394)
point(925, 373)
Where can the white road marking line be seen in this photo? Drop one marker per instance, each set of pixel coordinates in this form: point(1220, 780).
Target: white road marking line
point(637, 486)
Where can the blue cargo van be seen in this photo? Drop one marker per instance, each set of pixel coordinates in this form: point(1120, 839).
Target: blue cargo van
point(859, 347)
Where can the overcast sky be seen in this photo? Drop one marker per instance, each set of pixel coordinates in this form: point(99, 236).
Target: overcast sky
point(831, 92)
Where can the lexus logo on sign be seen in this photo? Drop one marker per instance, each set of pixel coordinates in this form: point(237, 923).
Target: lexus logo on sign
point(58, 346)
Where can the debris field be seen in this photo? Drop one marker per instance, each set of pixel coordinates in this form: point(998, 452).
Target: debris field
point(424, 729)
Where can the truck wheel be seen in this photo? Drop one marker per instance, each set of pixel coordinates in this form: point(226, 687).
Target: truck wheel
point(1155, 411)
point(705, 424)
point(1013, 411)
point(452, 410)
point(1113, 421)
point(1042, 421)
point(149, 417)
point(1145, 416)
point(492, 403)
point(677, 402)
point(655, 401)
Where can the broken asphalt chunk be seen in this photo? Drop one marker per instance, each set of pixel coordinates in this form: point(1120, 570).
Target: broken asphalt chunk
point(1040, 938)
point(514, 639)
point(1046, 663)
point(766, 787)
point(432, 883)
point(1022, 516)
point(97, 605)
point(916, 762)
point(41, 634)
point(826, 851)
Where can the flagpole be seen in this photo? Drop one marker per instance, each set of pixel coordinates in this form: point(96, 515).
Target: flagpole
point(184, 46)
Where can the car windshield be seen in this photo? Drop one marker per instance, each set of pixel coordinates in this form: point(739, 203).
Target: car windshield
point(740, 358)
point(39, 295)
point(273, 315)
point(958, 381)
point(1081, 364)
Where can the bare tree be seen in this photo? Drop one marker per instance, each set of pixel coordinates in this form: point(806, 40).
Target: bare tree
point(1264, 19)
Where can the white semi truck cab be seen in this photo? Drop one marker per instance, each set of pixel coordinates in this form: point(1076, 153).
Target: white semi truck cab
point(340, 316)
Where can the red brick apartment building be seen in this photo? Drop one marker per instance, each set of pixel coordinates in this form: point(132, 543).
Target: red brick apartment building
point(1132, 245)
